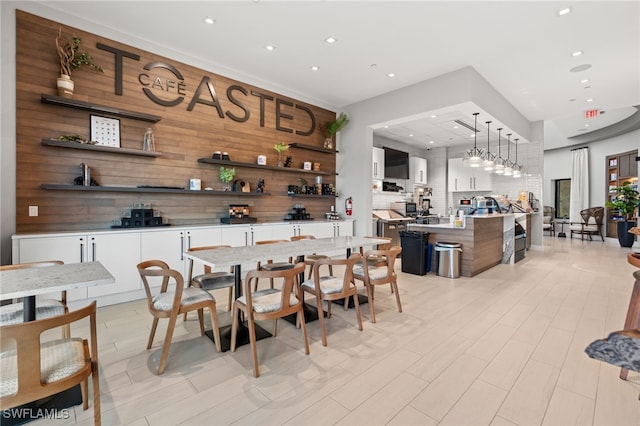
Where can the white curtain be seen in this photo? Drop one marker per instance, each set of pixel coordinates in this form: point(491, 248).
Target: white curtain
point(579, 183)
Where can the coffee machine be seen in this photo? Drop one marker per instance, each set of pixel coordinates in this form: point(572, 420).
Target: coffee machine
point(422, 202)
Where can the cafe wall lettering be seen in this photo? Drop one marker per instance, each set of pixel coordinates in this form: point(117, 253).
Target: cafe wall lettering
point(165, 85)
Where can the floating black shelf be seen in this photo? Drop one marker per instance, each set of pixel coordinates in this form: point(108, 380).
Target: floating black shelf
point(312, 196)
point(90, 147)
point(87, 106)
point(149, 190)
point(257, 166)
point(312, 148)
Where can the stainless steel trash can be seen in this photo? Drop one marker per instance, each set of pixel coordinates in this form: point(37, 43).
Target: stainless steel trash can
point(448, 259)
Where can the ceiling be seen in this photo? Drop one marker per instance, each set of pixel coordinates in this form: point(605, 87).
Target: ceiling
point(523, 49)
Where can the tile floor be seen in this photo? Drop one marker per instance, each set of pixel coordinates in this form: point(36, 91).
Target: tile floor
point(503, 348)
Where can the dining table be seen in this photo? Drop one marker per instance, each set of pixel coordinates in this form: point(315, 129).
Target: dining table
point(27, 284)
point(248, 256)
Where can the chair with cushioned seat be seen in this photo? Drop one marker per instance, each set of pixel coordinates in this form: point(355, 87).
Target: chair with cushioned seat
point(548, 220)
point(269, 304)
point(165, 303)
point(13, 313)
point(310, 259)
point(31, 369)
point(330, 287)
point(270, 265)
point(372, 275)
point(591, 224)
point(212, 280)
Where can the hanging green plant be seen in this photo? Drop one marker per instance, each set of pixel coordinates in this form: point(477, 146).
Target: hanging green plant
point(227, 174)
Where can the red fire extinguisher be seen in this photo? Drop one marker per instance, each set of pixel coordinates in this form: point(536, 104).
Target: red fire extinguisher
point(348, 206)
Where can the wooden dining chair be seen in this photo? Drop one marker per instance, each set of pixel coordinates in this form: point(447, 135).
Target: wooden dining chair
point(310, 259)
point(269, 304)
point(372, 275)
point(330, 288)
point(33, 369)
point(210, 281)
point(170, 303)
point(270, 265)
point(13, 313)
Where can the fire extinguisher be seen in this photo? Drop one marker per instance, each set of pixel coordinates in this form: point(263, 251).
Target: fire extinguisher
point(348, 206)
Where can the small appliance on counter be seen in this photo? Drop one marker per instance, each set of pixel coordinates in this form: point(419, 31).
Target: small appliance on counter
point(238, 213)
point(139, 216)
point(332, 215)
point(298, 212)
point(405, 208)
point(466, 206)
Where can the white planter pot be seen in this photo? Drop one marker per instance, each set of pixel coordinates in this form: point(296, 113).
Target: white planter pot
point(65, 86)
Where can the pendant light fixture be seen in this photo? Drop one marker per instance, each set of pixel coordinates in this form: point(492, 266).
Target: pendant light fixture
point(508, 165)
point(517, 168)
point(498, 166)
point(489, 158)
point(473, 157)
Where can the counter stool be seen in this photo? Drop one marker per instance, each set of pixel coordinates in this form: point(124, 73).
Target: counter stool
point(271, 266)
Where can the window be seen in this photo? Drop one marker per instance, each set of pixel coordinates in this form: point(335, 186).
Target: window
point(563, 197)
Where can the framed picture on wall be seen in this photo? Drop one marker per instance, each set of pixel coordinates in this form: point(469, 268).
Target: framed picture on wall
point(613, 162)
point(105, 131)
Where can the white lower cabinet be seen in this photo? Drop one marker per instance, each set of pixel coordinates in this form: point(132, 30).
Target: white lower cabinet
point(167, 246)
point(235, 236)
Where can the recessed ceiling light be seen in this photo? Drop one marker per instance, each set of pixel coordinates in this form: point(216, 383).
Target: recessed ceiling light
point(430, 141)
point(391, 75)
point(586, 125)
point(410, 135)
point(584, 80)
point(270, 47)
point(579, 68)
point(590, 100)
point(209, 20)
point(455, 127)
point(386, 127)
point(576, 53)
point(315, 68)
point(433, 116)
point(472, 135)
point(564, 11)
point(330, 40)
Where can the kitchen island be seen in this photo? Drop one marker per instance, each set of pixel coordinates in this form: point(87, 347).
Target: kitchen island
point(482, 238)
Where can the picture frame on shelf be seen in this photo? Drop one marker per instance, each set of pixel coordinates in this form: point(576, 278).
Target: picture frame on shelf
point(613, 176)
point(613, 162)
point(105, 131)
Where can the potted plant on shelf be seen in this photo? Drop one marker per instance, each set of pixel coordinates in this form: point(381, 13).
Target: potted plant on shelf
point(71, 60)
point(332, 127)
point(625, 203)
point(226, 176)
point(280, 147)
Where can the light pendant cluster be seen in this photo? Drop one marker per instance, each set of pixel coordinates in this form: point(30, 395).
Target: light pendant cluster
point(474, 156)
point(492, 163)
point(489, 158)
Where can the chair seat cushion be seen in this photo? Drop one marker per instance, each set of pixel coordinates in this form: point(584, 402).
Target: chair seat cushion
point(277, 266)
point(374, 273)
point(586, 228)
point(268, 300)
point(45, 308)
point(328, 284)
point(215, 280)
point(190, 295)
point(60, 359)
point(546, 226)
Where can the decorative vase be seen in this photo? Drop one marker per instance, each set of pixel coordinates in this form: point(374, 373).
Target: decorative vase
point(65, 86)
point(280, 163)
point(226, 187)
point(624, 237)
point(328, 143)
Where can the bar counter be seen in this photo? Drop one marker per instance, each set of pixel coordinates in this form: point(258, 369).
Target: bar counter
point(481, 239)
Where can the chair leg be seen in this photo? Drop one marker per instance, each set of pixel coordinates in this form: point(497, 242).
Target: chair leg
point(167, 344)
point(214, 326)
point(95, 379)
point(234, 326)
point(356, 304)
point(323, 329)
point(252, 340)
point(394, 285)
point(84, 390)
point(303, 325)
point(201, 320)
point(370, 296)
point(275, 327)
point(230, 303)
point(154, 326)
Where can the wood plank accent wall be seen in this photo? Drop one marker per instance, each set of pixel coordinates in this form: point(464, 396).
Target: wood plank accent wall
point(181, 136)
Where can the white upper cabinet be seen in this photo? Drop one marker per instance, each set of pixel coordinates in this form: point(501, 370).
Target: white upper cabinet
point(378, 163)
point(462, 179)
point(418, 170)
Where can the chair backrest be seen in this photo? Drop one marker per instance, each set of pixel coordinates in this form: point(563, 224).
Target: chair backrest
point(302, 237)
point(289, 284)
point(24, 339)
point(207, 268)
point(593, 215)
point(389, 255)
point(159, 268)
point(348, 270)
point(385, 246)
